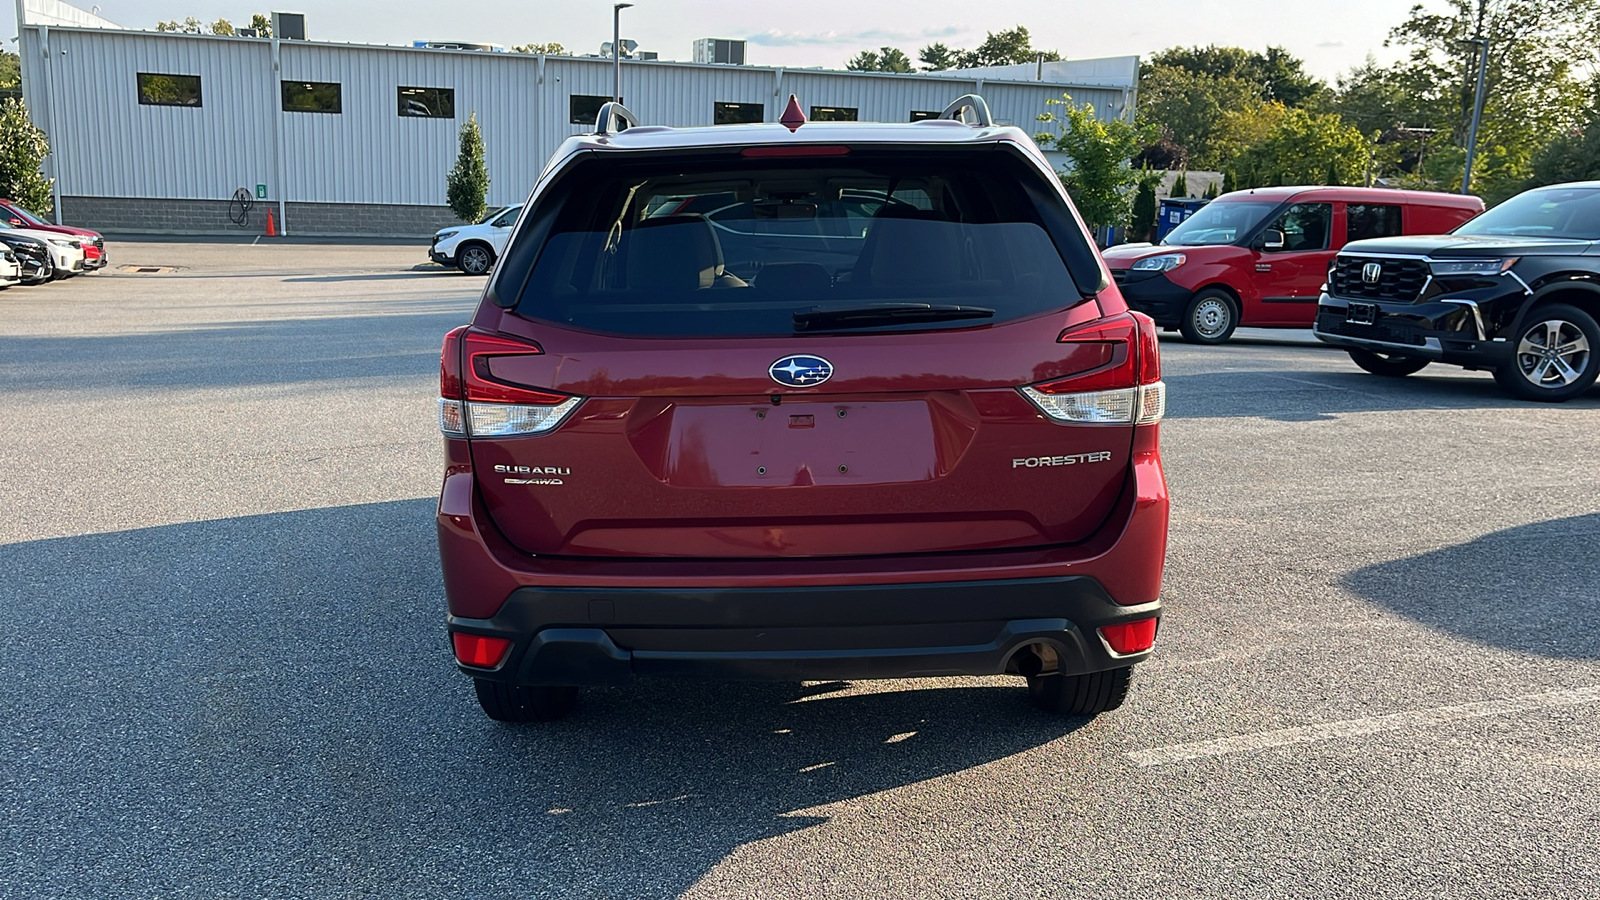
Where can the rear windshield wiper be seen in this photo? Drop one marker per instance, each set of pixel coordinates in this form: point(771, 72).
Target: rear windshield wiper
point(885, 314)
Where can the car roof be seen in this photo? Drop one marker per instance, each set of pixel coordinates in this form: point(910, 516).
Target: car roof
point(1370, 195)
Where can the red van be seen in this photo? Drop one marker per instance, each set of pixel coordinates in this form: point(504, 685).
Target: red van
point(1258, 258)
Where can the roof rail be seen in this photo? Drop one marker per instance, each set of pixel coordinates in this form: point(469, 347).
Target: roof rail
point(613, 113)
point(958, 111)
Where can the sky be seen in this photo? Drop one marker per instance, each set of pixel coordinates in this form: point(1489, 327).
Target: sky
point(1330, 37)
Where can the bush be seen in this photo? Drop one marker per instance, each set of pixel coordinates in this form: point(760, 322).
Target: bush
point(22, 151)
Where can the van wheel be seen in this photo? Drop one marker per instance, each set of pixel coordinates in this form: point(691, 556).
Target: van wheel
point(1210, 318)
point(1553, 357)
point(1394, 365)
point(514, 703)
point(475, 259)
point(1080, 695)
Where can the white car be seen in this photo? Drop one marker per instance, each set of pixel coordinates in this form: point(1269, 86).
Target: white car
point(474, 248)
point(65, 251)
point(10, 272)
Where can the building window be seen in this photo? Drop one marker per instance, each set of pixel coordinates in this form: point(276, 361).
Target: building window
point(585, 109)
point(739, 113)
point(427, 103)
point(918, 115)
point(833, 113)
point(169, 90)
point(310, 96)
point(1364, 220)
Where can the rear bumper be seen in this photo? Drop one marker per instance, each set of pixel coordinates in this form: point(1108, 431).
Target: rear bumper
point(586, 621)
point(599, 636)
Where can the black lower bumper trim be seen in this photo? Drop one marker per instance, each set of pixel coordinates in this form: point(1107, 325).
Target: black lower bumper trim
point(586, 637)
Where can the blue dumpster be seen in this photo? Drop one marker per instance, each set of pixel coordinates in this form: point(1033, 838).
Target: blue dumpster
point(1173, 211)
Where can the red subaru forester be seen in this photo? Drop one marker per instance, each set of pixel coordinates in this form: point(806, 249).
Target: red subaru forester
point(797, 401)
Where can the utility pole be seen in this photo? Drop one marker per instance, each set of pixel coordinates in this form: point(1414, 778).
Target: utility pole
point(1477, 110)
point(616, 50)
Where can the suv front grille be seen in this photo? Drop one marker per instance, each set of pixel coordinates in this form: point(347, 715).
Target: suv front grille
point(1399, 281)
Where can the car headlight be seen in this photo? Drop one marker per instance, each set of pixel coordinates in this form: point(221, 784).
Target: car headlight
point(1448, 267)
point(1166, 262)
point(61, 242)
point(446, 234)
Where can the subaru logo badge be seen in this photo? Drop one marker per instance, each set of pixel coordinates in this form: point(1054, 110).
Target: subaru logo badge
point(1371, 272)
point(800, 371)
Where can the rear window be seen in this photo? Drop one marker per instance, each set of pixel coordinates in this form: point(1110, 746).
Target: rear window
point(748, 247)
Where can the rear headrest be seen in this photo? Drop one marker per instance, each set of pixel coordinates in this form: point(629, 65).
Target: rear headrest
point(673, 253)
point(917, 247)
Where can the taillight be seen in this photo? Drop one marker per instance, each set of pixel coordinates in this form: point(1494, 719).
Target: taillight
point(473, 403)
point(1126, 391)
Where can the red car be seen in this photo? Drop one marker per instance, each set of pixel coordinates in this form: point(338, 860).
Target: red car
point(1259, 258)
point(908, 429)
point(94, 246)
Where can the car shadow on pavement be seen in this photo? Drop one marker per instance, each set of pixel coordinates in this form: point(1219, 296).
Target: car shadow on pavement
point(1314, 395)
point(403, 341)
point(267, 705)
point(1532, 589)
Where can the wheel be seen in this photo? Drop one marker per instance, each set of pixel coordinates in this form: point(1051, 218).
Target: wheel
point(513, 703)
point(1393, 365)
point(1080, 695)
point(1210, 318)
point(1553, 355)
point(475, 259)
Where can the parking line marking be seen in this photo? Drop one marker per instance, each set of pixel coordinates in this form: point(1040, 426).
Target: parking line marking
point(1305, 734)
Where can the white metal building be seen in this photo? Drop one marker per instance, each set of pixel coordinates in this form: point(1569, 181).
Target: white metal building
point(155, 132)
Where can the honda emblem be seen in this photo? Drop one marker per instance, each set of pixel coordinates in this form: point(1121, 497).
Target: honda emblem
point(1371, 272)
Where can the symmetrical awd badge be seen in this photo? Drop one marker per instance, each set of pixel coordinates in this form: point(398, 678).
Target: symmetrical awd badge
point(800, 371)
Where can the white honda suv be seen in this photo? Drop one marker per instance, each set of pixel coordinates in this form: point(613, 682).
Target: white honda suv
point(474, 248)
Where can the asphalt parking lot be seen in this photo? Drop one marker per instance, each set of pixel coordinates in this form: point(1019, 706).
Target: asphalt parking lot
point(223, 670)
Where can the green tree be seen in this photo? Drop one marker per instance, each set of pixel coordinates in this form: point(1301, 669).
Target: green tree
point(1305, 148)
point(1190, 108)
point(1102, 179)
point(1143, 222)
point(262, 25)
point(1541, 53)
point(887, 59)
point(937, 57)
point(549, 49)
point(23, 148)
point(467, 186)
point(1180, 185)
point(191, 25)
point(222, 26)
point(10, 70)
point(1273, 75)
point(1573, 156)
point(999, 48)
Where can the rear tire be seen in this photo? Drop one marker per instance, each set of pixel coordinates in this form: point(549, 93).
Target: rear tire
point(1565, 373)
point(1210, 317)
point(1390, 365)
point(514, 703)
point(475, 259)
point(1080, 695)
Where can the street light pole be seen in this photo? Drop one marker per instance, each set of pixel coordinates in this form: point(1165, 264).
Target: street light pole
point(616, 50)
point(1477, 111)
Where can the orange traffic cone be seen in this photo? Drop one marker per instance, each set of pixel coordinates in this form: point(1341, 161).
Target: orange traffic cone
point(272, 227)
